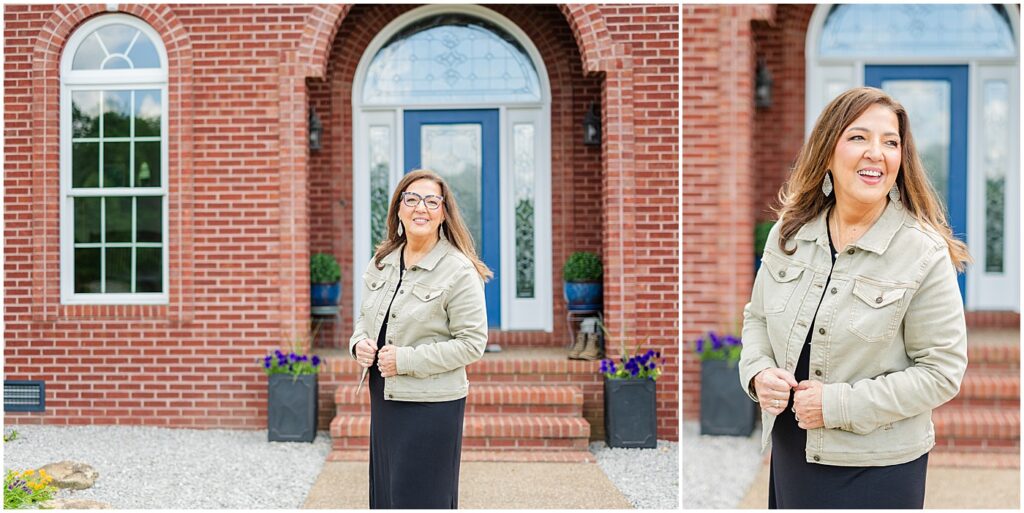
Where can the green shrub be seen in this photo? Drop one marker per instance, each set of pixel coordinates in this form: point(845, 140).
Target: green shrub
point(323, 268)
point(26, 489)
point(582, 266)
point(761, 230)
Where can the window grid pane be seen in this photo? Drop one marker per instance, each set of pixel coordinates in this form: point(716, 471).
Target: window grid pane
point(380, 173)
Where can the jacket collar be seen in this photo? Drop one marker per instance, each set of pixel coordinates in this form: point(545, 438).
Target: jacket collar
point(428, 262)
point(876, 239)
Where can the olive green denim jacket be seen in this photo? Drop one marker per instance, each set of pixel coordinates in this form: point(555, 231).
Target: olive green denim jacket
point(889, 341)
point(438, 321)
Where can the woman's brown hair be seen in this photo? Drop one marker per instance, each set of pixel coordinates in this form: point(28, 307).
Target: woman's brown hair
point(801, 197)
point(453, 227)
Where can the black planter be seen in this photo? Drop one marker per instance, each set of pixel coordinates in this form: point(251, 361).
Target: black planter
point(291, 408)
point(630, 413)
point(724, 408)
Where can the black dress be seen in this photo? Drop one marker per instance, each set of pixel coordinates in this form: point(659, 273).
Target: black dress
point(415, 448)
point(794, 483)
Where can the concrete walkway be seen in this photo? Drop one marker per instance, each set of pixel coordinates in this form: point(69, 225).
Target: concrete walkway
point(947, 488)
point(485, 485)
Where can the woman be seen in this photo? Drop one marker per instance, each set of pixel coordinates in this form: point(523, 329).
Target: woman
point(855, 328)
point(423, 302)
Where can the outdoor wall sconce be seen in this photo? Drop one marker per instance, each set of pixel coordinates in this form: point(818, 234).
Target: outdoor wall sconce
point(316, 130)
point(763, 84)
point(592, 126)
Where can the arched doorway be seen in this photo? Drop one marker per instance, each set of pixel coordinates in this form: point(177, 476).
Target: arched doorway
point(955, 68)
point(463, 91)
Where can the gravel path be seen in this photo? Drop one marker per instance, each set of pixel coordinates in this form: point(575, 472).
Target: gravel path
point(649, 478)
point(148, 467)
point(718, 470)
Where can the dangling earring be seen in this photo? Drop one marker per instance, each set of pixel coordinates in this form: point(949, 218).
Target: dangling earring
point(826, 186)
point(894, 195)
point(401, 229)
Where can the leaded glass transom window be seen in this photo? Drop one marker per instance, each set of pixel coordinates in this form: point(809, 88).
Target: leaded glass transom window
point(917, 30)
point(113, 124)
point(451, 58)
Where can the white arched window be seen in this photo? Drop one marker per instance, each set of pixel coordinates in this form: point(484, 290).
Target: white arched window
point(113, 162)
point(462, 90)
point(955, 68)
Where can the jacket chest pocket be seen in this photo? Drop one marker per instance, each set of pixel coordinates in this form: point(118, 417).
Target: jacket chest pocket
point(778, 290)
point(874, 315)
point(374, 284)
point(425, 303)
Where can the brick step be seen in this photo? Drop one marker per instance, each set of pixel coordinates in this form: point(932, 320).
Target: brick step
point(485, 455)
point(547, 367)
point(986, 357)
point(981, 389)
point(558, 400)
point(518, 432)
point(977, 429)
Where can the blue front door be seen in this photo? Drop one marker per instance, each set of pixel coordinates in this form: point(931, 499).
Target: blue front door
point(462, 147)
point(936, 100)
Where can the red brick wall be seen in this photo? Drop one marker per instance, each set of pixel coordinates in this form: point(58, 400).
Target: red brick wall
point(718, 170)
point(246, 210)
point(779, 129)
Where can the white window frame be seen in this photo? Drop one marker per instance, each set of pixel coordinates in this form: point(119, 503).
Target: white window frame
point(517, 314)
point(109, 81)
point(985, 291)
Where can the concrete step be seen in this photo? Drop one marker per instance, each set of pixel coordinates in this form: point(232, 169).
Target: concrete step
point(498, 432)
point(960, 459)
point(977, 429)
point(558, 400)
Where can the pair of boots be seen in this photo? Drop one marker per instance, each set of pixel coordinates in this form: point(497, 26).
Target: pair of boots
point(586, 347)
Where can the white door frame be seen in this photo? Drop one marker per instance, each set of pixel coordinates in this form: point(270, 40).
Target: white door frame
point(827, 77)
point(516, 313)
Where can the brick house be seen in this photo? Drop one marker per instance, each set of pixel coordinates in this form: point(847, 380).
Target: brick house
point(959, 83)
point(156, 251)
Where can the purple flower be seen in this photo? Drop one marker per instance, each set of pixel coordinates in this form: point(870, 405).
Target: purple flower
point(700, 345)
point(716, 343)
point(634, 371)
point(293, 357)
point(611, 367)
point(316, 360)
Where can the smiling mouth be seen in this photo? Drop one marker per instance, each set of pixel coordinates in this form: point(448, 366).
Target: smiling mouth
point(870, 173)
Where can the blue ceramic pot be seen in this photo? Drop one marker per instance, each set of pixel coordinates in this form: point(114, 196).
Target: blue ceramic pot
point(584, 295)
point(324, 294)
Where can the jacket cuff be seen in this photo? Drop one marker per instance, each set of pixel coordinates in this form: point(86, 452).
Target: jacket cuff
point(834, 407)
point(402, 357)
point(748, 377)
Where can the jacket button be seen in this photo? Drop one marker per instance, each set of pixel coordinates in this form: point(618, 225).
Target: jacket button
point(817, 372)
point(401, 291)
point(374, 284)
point(849, 251)
point(393, 316)
point(834, 290)
point(878, 299)
point(782, 274)
point(817, 458)
point(821, 331)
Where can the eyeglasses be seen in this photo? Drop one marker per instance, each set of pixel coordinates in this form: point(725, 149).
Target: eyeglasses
point(432, 202)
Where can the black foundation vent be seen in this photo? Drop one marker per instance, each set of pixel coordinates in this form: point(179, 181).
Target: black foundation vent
point(24, 395)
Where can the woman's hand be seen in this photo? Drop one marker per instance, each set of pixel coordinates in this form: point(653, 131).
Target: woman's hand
point(366, 350)
point(772, 386)
point(807, 405)
point(387, 361)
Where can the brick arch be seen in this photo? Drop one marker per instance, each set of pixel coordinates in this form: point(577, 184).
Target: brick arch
point(322, 24)
point(591, 33)
point(46, 57)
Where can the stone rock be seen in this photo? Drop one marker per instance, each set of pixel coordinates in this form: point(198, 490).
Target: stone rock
point(74, 504)
point(72, 475)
